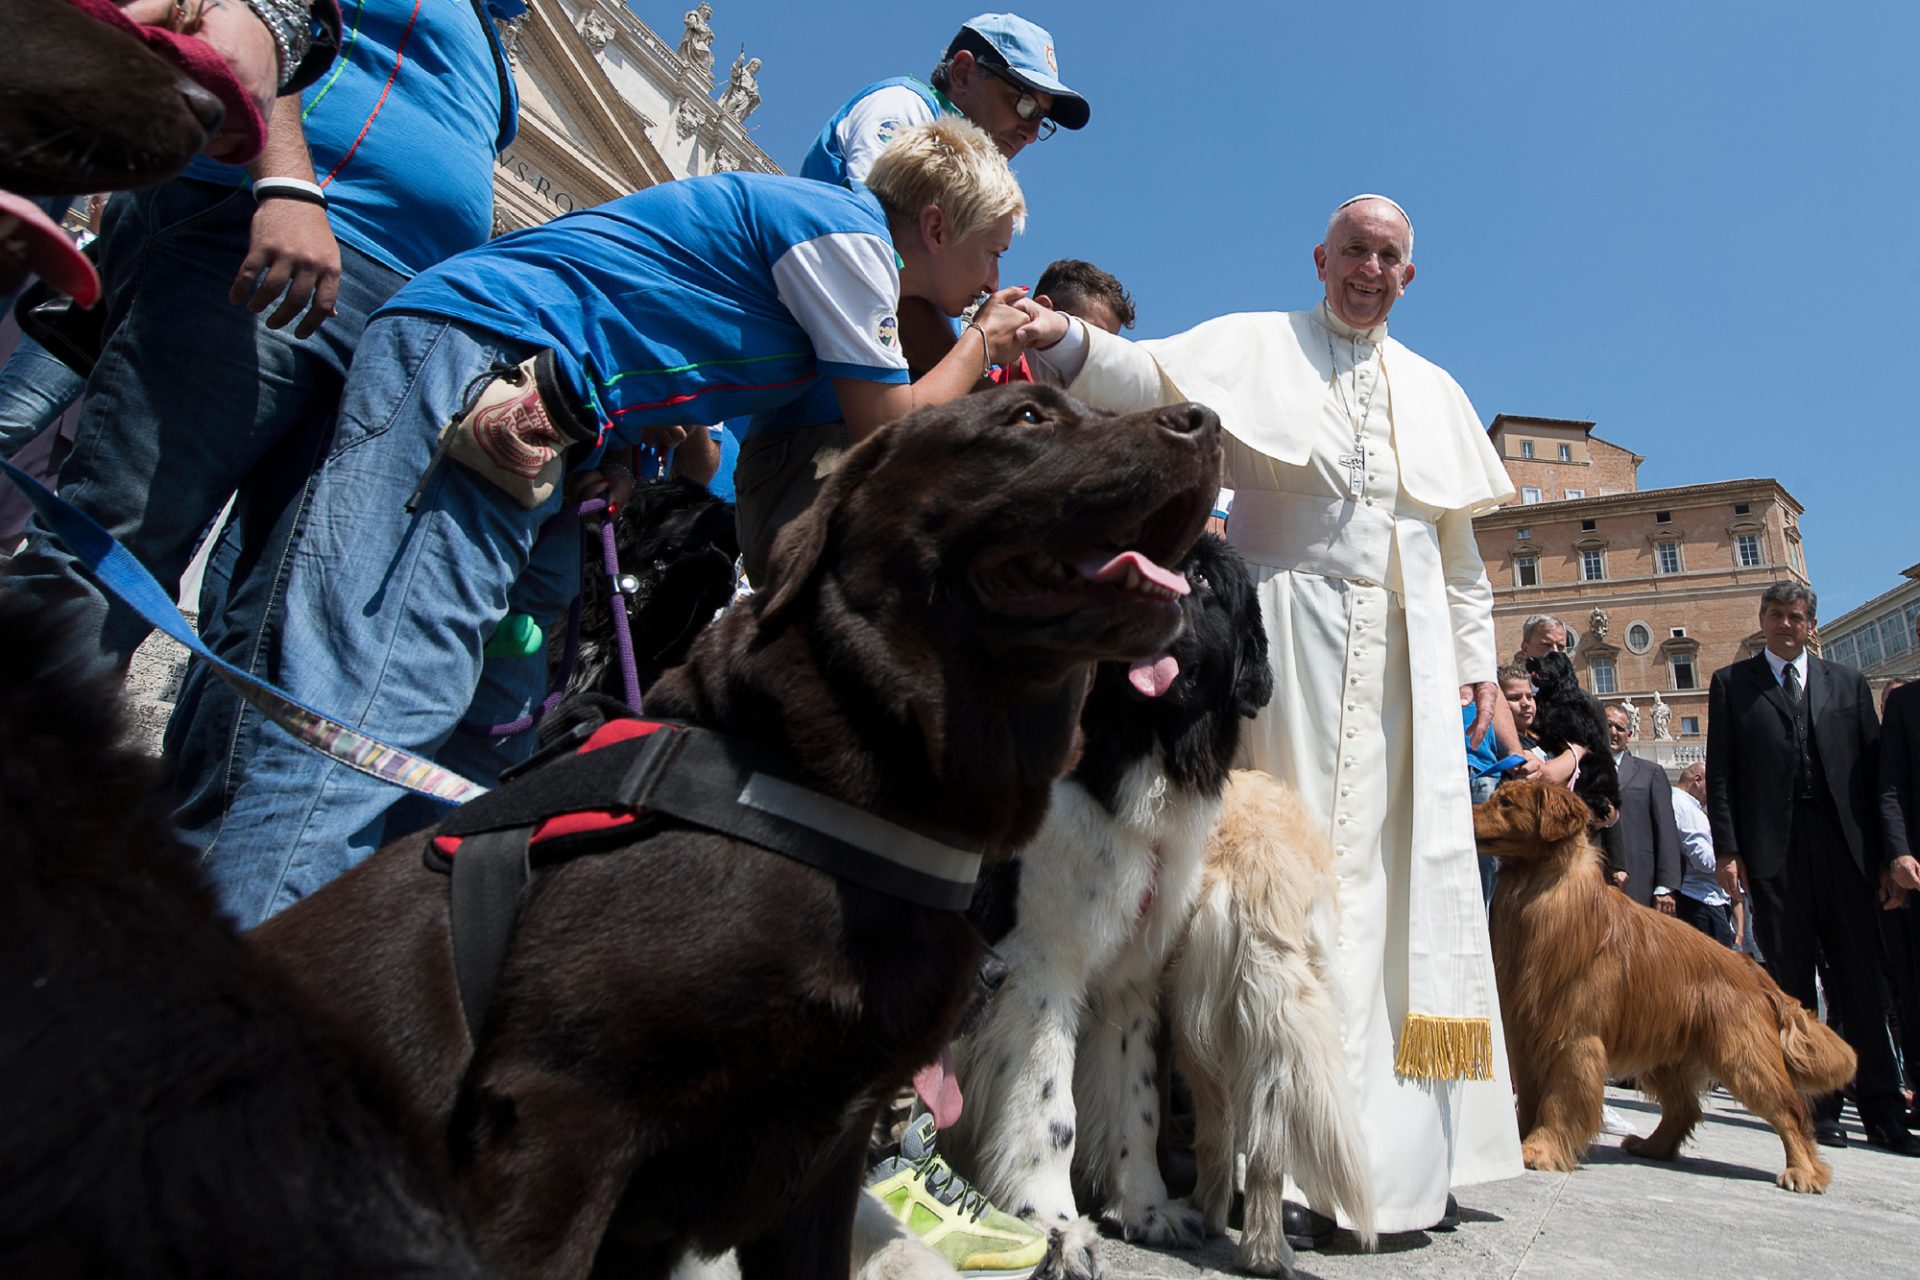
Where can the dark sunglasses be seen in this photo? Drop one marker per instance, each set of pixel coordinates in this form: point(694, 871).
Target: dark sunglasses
point(1026, 106)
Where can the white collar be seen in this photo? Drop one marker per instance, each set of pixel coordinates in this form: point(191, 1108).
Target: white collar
point(1779, 664)
point(1323, 315)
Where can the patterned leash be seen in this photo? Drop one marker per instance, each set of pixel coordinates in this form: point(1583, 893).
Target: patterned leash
point(116, 569)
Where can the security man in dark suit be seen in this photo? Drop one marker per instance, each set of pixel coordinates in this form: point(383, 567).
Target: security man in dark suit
point(1900, 826)
point(1793, 795)
point(1644, 845)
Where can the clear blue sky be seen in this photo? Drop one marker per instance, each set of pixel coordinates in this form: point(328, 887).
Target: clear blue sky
point(1691, 223)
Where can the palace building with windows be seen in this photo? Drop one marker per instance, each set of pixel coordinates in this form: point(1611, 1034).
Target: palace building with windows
point(1657, 587)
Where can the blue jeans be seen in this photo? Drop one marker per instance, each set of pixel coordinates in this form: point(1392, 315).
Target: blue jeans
point(385, 613)
point(36, 387)
point(1482, 789)
point(190, 394)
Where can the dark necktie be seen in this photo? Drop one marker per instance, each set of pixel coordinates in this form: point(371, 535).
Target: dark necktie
point(1796, 701)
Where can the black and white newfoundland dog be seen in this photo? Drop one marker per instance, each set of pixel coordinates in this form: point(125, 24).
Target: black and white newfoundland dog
point(1060, 1074)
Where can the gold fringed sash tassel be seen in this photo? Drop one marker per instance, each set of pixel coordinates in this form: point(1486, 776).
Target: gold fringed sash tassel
point(1445, 1048)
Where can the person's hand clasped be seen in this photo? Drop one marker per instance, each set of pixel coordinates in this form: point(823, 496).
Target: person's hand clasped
point(1665, 903)
point(1001, 318)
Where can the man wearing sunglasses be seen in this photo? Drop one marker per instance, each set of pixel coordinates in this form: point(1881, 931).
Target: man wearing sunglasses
point(999, 71)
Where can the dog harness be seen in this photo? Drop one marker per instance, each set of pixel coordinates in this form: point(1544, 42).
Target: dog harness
point(611, 787)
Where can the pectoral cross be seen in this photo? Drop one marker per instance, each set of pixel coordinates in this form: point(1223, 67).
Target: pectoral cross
point(1356, 465)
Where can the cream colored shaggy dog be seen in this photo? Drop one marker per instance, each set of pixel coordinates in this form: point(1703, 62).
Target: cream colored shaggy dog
point(1256, 1025)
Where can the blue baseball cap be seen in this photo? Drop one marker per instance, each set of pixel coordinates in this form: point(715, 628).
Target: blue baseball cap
point(1025, 50)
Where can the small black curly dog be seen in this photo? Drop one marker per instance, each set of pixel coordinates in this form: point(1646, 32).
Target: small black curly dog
point(679, 543)
point(1565, 714)
point(169, 1105)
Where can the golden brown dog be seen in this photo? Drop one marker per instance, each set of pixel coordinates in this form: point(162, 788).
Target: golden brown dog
point(1593, 984)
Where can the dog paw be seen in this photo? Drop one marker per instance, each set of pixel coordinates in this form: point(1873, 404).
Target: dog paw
point(1070, 1253)
point(1264, 1254)
point(1811, 1182)
point(1645, 1149)
point(1171, 1223)
point(1547, 1157)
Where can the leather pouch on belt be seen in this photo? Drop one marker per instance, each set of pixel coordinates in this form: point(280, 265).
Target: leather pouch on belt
point(519, 428)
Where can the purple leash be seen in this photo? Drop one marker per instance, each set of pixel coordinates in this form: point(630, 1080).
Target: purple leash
point(622, 586)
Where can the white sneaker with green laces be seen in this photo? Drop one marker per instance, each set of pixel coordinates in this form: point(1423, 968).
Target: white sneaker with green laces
point(950, 1217)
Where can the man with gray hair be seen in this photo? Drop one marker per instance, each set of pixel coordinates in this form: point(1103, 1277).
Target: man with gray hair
point(1357, 468)
point(1543, 634)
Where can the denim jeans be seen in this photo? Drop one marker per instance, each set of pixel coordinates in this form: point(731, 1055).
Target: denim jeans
point(190, 394)
point(36, 387)
point(385, 613)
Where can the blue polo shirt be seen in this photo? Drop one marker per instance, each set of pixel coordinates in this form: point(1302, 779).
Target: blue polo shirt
point(856, 135)
point(691, 301)
point(403, 129)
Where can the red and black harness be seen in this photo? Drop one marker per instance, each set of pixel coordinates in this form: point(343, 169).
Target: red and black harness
point(603, 789)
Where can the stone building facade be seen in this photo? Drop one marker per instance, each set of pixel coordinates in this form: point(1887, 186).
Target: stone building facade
point(1657, 587)
point(607, 107)
point(1879, 638)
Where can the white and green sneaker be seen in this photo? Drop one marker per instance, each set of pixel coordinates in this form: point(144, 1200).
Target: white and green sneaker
point(950, 1217)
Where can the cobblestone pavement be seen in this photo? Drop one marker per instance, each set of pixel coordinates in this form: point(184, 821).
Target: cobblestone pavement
point(1713, 1214)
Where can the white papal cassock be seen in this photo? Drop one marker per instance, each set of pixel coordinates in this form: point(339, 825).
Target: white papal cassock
point(1357, 468)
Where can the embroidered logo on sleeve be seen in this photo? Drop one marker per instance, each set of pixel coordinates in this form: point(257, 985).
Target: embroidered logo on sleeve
point(888, 128)
point(886, 331)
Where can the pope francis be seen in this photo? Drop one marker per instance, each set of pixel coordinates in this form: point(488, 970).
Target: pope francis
point(1357, 468)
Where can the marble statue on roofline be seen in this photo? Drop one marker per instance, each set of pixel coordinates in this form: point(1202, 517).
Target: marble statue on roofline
point(742, 97)
point(696, 46)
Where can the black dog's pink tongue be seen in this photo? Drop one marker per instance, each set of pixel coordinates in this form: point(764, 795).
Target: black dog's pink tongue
point(1154, 676)
point(1128, 568)
point(939, 1088)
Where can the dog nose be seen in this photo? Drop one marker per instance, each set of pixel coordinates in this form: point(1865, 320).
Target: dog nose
point(205, 107)
point(1188, 419)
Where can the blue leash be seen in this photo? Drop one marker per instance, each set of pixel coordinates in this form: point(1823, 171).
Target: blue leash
point(118, 571)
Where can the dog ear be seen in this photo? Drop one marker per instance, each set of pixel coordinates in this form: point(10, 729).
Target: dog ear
point(1253, 674)
point(1563, 815)
point(801, 547)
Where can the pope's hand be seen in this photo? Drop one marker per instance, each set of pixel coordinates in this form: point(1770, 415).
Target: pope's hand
point(1044, 326)
point(1481, 693)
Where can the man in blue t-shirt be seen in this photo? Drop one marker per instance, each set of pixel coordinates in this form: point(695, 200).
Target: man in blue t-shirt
point(1000, 72)
point(234, 300)
point(703, 298)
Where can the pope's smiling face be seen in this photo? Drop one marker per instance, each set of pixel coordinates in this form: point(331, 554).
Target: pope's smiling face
point(1365, 262)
